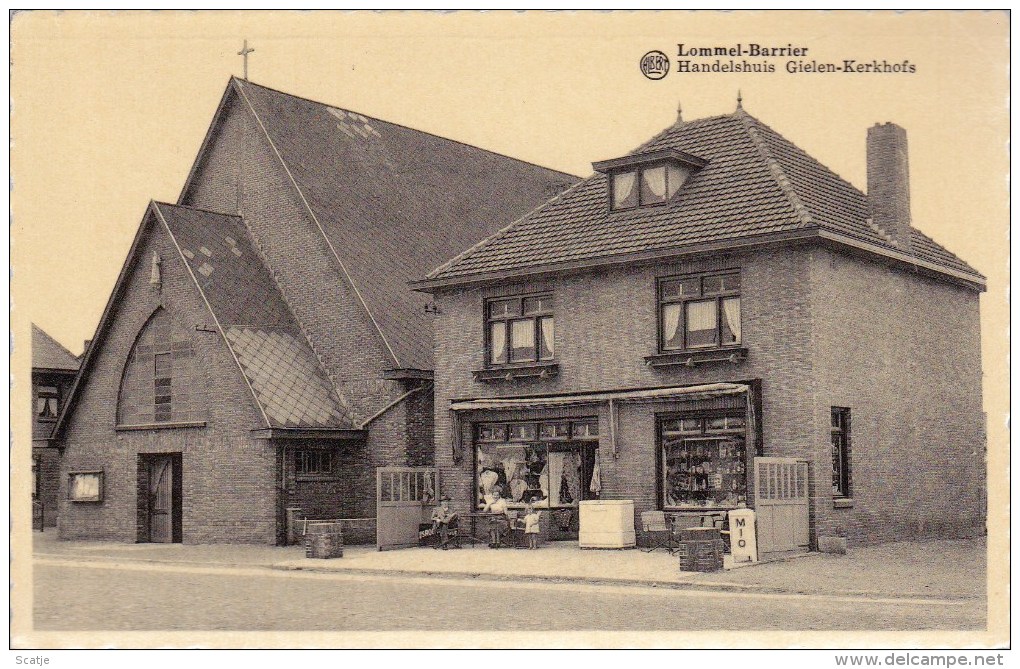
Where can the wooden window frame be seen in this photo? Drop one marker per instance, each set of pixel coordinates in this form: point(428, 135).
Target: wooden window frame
point(840, 452)
point(704, 434)
point(573, 441)
point(302, 457)
point(42, 393)
point(638, 171)
point(536, 319)
point(662, 303)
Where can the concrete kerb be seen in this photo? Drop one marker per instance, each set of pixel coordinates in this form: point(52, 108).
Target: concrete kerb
point(503, 572)
point(706, 586)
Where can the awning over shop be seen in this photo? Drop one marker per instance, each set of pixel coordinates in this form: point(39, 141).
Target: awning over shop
point(704, 391)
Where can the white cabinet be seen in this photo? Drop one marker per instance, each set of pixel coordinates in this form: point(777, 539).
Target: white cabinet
point(607, 524)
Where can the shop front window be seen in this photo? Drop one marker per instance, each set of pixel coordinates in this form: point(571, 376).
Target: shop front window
point(551, 464)
point(703, 462)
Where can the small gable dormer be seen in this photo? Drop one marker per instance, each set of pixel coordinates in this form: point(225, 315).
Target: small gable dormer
point(650, 178)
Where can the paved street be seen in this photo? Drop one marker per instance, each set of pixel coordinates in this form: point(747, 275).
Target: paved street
point(75, 595)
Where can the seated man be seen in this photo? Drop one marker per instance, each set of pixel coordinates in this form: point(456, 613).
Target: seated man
point(498, 523)
point(444, 520)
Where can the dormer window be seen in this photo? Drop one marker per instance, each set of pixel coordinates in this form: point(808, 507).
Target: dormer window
point(649, 185)
point(647, 179)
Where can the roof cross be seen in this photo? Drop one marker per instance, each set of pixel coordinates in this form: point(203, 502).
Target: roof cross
point(244, 54)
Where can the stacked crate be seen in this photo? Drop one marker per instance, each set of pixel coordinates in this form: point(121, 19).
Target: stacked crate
point(700, 549)
point(324, 541)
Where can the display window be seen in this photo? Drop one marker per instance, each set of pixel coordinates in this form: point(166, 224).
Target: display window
point(703, 462)
point(554, 464)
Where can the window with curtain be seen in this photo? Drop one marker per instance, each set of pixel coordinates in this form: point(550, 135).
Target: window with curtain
point(701, 311)
point(47, 401)
point(520, 329)
point(654, 184)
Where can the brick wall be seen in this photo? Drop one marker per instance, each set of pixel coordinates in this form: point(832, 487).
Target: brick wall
point(420, 418)
point(903, 353)
point(229, 478)
point(822, 329)
point(889, 181)
point(337, 326)
point(605, 324)
point(241, 172)
point(333, 496)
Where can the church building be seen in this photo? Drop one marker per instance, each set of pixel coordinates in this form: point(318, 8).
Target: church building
point(261, 356)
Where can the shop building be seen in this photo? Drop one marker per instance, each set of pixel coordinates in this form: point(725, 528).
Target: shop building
point(261, 356)
point(53, 370)
point(718, 318)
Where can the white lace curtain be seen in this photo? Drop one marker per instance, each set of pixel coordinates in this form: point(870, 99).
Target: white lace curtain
point(731, 309)
point(655, 181)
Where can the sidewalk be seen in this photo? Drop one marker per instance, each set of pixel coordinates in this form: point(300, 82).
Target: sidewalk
point(935, 569)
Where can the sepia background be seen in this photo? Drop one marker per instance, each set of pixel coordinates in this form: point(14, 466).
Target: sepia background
point(109, 109)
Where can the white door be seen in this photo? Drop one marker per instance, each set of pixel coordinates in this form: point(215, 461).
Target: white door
point(781, 503)
point(404, 497)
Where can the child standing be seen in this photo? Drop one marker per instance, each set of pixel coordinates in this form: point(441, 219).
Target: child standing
point(531, 527)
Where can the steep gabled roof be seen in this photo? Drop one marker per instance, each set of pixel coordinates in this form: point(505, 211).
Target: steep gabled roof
point(48, 353)
point(756, 185)
point(286, 380)
point(391, 201)
point(285, 377)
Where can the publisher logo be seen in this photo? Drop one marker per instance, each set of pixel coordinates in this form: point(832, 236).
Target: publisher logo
point(654, 65)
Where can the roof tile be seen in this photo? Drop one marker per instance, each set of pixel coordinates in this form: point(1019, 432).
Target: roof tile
point(755, 182)
point(258, 326)
point(393, 200)
point(48, 353)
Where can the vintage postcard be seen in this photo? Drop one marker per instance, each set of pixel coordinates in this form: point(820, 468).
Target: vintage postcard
point(510, 330)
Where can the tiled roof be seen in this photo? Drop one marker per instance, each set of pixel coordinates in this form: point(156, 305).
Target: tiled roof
point(48, 353)
point(393, 201)
point(756, 182)
point(281, 367)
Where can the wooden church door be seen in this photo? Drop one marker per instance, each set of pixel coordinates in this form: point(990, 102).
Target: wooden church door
point(164, 513)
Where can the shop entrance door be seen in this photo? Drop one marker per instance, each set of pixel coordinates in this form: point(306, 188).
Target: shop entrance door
point(404, 497)
point(564, 522)
point(781, 503)
point(163, 509)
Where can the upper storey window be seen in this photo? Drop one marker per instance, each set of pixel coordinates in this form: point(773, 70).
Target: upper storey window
point(647, 179)
point(520, 329)
point(650, 185)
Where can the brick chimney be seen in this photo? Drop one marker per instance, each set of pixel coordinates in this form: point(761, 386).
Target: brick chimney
point(889, 181)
